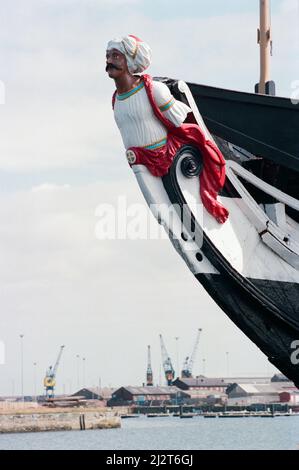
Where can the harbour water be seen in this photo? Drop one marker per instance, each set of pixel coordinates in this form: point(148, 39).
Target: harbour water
point(169, 433)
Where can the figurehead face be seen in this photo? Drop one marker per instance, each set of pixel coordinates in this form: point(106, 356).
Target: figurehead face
point(127, 54)
point(116, 63)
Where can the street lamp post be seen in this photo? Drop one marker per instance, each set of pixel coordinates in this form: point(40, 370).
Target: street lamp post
point(22, 368)
point(78, 367)
point(204, 366)
point(177, 355)
point(35, 394)
point(70, 386)
point(100, 386)
point(227, 363)
point(84, 363)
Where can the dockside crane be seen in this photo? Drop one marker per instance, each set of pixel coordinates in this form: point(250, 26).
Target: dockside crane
point(189, 361)
point(50, 379)
point(167, 365)
point(149, 371)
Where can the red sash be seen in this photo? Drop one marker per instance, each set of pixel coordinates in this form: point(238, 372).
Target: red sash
point(158, 161)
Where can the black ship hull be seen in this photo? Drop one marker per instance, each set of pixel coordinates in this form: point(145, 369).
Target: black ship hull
point(250, 264)
point(266, 310)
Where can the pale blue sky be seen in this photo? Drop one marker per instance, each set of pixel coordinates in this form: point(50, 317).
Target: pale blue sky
point(61, 155)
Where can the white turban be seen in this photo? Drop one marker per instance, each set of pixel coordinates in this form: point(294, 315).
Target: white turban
point(137, 52)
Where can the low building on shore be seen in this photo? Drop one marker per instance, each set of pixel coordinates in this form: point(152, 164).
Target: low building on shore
point(220, 383)
point(147, 396)
point(202, 383)
point(167, 395)
point(247, 380)
point(291, 397)
point(206, 397)
point(248, 394)
point(279, 378)
point(96, 393)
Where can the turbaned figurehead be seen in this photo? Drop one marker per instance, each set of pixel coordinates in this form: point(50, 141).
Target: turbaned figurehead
point(151, 121)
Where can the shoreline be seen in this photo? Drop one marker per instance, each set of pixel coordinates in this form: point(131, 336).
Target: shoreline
point(43, 420)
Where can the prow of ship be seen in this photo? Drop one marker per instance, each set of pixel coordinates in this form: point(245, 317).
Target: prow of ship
point(248, 265)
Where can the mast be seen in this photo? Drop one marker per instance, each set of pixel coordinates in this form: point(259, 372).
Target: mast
point(265, 85)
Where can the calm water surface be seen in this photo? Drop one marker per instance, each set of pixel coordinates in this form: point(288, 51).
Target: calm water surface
point(170, 433)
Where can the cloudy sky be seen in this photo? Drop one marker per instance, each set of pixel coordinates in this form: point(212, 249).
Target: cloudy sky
point(61, 156)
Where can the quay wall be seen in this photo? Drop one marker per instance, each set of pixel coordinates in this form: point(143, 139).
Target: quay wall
point(57, 421)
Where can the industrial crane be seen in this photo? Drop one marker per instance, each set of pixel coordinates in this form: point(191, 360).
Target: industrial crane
point(149, 371)
point(50, 379)
point(189, 361)
point(167, 365)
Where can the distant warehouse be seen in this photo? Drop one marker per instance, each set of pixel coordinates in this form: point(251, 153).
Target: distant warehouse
point(96, 393)
point(202, 383)
point(247, 394)
point(147, 396)
point(291, 397)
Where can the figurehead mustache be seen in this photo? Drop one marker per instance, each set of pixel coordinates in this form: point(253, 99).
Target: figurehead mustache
point(111, 66)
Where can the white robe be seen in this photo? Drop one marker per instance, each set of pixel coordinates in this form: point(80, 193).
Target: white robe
point(135, 118)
